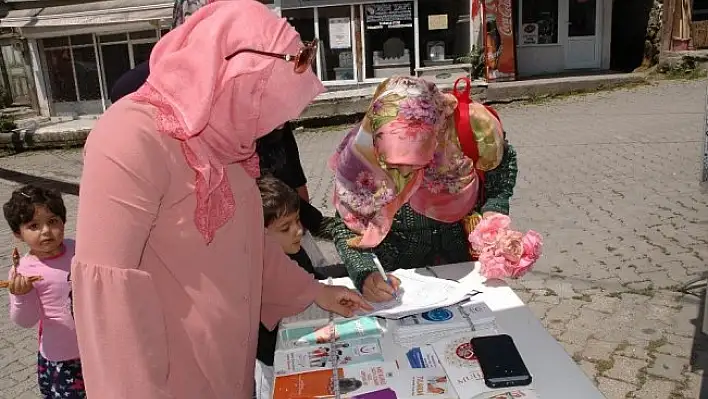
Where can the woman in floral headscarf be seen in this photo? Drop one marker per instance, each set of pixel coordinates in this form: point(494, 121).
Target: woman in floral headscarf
point(404, 189)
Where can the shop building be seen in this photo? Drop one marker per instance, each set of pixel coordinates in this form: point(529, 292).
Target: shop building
point(364, 41)
point(76, 51)
point(560, 36)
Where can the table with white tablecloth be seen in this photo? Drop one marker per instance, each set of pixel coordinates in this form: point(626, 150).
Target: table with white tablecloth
point(555, 374)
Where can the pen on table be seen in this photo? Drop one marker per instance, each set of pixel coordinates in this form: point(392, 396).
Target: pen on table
point(383, 274)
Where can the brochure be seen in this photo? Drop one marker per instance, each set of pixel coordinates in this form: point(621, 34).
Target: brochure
point(352, 352)
point(292, 337)
point(353, 381)
point(461, 365)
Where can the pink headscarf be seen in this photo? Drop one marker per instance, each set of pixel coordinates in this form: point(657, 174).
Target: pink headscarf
point(218, 108)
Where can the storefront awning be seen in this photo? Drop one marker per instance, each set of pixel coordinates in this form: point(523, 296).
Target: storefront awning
point(88, 13)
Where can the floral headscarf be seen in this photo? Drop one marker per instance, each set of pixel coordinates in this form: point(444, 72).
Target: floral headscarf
point(409, 123)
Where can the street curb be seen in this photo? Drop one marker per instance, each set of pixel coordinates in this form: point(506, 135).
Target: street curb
point(348, 110)
point(26, 139)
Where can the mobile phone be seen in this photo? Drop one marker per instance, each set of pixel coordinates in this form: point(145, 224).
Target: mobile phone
point(500, 361)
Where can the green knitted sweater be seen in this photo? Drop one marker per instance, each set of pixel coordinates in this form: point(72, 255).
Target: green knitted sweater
point(417, 241)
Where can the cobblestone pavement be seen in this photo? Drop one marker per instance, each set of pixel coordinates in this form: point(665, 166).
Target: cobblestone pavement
point(609, 179)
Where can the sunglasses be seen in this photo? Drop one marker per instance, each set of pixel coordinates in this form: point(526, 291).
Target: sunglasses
point(302, 60)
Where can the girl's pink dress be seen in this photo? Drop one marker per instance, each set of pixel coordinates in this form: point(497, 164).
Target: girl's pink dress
point(159, 314)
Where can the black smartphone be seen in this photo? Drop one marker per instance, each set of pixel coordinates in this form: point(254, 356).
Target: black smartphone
point(501, 361)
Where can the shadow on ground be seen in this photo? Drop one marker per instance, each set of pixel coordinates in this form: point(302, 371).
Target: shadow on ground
point(24, 178)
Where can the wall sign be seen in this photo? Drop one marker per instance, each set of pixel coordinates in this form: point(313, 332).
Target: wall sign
point(340, 33)
point(437, 22)
point(389, 15)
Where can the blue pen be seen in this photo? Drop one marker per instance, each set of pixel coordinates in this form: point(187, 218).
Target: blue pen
point(383, 274)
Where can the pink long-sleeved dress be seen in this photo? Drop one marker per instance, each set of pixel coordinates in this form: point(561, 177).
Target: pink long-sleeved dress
point(160, 314)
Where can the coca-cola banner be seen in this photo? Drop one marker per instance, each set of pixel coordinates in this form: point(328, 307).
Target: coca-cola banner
point(499, 46)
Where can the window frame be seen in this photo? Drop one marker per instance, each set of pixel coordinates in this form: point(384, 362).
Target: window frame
point(520, 15)
point(71, 48)
point(96, 46)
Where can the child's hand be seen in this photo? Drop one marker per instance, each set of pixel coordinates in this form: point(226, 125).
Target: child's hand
point(21, 285)
point(341, 300)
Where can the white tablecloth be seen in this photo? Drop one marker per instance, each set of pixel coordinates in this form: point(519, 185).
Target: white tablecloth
point(555, 374)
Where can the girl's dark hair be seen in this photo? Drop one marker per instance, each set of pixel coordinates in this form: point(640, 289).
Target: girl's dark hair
point(21, 206)
point(278, 199)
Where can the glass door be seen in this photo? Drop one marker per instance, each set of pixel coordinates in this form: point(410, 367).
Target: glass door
point(337, 55)
point(581, 50)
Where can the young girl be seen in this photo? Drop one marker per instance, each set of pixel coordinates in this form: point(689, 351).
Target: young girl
point(40, 288)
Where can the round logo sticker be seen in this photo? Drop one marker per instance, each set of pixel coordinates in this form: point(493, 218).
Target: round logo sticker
point(440, 314)
point(464, 351)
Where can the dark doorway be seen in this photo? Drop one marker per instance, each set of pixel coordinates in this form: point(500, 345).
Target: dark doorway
point(630, 19)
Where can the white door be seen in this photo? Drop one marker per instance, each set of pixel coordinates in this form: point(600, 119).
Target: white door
point(581, 49)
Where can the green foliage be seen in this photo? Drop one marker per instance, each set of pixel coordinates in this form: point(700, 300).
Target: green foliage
point(476, 59)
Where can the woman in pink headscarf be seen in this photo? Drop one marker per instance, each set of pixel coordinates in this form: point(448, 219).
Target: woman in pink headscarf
point(173, 271)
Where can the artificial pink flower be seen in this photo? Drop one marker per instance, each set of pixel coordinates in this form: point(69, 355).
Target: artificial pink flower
point(486, 232)
point(533, 245)
point(509, 246)
point(493, 267)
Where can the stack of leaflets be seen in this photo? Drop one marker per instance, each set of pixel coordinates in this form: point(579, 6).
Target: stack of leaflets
point(376, 381)
point(306, 348)
point(434, 325)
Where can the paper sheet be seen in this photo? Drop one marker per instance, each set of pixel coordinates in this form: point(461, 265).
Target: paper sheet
point(420, 293)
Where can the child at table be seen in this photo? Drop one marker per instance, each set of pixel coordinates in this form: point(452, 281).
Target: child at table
point(40, 288)
point(281, 217)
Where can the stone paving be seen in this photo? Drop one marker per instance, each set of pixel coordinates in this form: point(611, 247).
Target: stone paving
point(609, 179)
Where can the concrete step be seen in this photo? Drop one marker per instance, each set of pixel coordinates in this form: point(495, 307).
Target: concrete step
point(18, 112)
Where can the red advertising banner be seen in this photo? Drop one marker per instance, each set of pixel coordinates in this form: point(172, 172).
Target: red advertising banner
point(499, 46)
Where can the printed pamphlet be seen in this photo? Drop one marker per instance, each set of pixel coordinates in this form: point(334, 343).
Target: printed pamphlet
point(461, 365)
point(353, 381)
point(423, 357)
point(352, 352)
point(292, 337)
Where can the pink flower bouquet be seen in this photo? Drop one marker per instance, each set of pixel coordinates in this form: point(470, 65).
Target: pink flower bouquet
point(504, 252)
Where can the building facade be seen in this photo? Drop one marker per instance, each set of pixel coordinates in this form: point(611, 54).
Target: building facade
point(562, 36)
point(76, 50)
point(365, 41)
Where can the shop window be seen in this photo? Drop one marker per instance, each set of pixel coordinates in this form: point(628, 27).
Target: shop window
point(444, 35)
point(115, 38)
point(336, 43)
point(539, 22)
point(141, 52)
point(143, 34)
point(71, 68)
point(388, 39)
point(61, 74)
point(122, 52)
point(116, 62)
point(87, 73)
point(700, 10)
point(303, 20)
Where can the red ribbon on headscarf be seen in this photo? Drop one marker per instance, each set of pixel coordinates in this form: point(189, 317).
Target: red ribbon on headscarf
point(465, 134)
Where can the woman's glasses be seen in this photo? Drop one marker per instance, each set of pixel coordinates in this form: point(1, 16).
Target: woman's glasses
point(303, 58)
